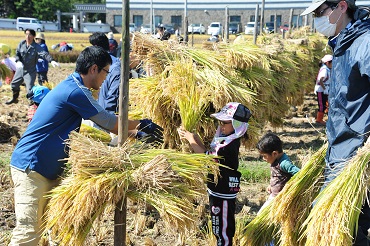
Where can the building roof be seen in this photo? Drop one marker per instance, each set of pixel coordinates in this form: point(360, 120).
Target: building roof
point(214, 4)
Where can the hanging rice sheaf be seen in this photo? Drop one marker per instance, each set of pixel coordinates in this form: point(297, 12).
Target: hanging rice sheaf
point(99, 176)
point(195, 82)
point(282, 218)
point(333, 219)
point(293, 204)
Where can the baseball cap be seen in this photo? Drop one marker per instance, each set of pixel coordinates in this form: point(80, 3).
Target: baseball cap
point(233, 111)
point(38, 93)
point(317, 3)
point(327, 58)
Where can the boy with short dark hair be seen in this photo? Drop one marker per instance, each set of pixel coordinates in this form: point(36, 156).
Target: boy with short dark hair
point(270, 148)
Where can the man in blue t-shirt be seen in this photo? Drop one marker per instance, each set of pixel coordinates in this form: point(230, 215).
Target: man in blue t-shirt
point(38, 159)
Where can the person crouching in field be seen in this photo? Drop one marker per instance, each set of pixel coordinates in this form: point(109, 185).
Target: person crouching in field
point(233, 124)
point(270, 148)
point(36, 95)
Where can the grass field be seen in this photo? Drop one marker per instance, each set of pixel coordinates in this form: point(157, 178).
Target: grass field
point(79, 40)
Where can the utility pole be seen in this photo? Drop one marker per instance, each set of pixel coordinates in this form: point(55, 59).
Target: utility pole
point(262, 21)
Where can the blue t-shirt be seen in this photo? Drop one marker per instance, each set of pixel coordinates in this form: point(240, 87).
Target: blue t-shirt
point(42, 147)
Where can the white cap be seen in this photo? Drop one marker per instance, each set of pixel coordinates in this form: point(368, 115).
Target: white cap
point(327, 58)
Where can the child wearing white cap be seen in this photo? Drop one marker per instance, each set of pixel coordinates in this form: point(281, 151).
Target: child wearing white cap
point(322, 87)
point(233, 124)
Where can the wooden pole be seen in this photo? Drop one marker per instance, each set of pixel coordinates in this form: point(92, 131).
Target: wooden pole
point(226, 24)
point(290, 21)
point(256, 25)
point(120, 212)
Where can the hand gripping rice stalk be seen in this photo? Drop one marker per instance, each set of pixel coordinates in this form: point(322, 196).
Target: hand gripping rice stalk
point(334, 217)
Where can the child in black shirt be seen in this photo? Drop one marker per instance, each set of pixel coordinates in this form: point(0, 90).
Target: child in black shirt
point(233, 124)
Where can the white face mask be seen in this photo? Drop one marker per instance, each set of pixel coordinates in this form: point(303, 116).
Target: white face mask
point(323, 25)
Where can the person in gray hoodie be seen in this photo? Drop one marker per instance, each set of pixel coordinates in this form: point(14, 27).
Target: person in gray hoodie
point(27, 54)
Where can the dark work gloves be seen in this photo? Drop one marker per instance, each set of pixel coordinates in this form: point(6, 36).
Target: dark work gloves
point(150, 132)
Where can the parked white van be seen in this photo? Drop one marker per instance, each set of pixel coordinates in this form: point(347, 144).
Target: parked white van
point(31, 23)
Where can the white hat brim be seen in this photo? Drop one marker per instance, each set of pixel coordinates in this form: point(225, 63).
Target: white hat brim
point(313, 7)
point(221, 116)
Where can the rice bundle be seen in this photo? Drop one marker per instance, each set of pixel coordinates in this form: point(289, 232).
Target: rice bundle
point(95, 133)
point(100, 176)
point(292, 206)
point(267, 80)
point(4, 71)
point(333, 219)
point(260, 231)
point(283, 217)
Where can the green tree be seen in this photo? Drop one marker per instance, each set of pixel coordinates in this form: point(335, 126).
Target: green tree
point(46, 9)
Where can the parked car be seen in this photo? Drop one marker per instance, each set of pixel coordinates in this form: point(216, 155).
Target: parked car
point(249, 28)
point(132, 27)
point(269, 27)
point(284, 28)
point(235, 27)
point(197, 28)
point(215, 27)
point(169, 28)
point(146, 29)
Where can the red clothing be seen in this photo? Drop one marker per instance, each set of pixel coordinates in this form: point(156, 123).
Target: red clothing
point(31, 112)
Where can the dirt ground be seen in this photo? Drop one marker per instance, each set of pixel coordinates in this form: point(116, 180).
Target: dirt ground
point(300, 138)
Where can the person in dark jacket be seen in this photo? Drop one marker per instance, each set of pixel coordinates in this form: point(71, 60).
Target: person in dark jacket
point(101, 40)
point(348, 125)
point(112, 45)
point(27, 54)
point(233, 124)
point(109, 97)
point(42, 65)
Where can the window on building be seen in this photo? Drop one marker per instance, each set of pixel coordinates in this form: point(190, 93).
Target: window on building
point(176, 20)
point(252, 18)
point(235, 18)
point(297, 21)
point(278, 19)
point(138, 20)
point(117, 20)
point(158, 20)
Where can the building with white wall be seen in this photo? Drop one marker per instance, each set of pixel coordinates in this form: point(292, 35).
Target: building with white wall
point(207, 11)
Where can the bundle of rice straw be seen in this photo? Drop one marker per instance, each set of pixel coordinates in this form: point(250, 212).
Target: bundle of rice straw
point(281, 219)
point(260, 231)
point(333, 219)
point(292, 206)
point(267, 80)
point(100, 176)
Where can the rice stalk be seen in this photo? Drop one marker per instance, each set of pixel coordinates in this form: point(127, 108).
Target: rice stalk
point(100, 176)
point(260, 231)
point(292, 205)
point(4, 71)
point(333, 219)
